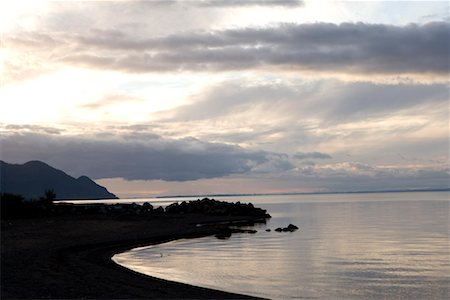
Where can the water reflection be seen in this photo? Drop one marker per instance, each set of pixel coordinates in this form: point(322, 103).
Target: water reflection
point(344, 249)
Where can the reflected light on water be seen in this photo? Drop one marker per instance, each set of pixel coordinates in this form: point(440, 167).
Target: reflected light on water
point(396, 248)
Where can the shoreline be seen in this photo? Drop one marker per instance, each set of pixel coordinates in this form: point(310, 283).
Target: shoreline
point(71, 257)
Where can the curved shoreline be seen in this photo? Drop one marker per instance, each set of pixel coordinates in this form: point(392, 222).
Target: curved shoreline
point(70, 257)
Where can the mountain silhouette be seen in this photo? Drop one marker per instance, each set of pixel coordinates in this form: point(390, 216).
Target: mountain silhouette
point(33, 178)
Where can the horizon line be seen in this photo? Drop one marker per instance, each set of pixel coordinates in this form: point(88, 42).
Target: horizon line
point(301, 193)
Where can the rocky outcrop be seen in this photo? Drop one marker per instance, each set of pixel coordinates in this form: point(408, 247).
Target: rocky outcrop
point(216, 208)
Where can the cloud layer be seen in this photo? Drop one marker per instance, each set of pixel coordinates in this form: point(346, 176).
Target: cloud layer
point(219, 90)
point(350, 48)
point(225, 3)
point(141, 155)
point(241, 3)
point(311, 155)
point(330, 100)
point(144, 156)
point(323, 116)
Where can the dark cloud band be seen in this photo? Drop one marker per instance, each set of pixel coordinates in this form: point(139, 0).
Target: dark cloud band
point(133, 157)
point(232, 3)
point(311, 155)
point(348, 47)
point(225, 3)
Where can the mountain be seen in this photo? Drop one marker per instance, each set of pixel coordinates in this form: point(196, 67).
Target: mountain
point(33, 178)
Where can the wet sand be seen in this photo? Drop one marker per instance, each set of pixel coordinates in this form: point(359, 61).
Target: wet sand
point(70, 257)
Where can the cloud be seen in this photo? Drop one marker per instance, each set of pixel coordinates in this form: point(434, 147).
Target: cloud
point(268, 183)
point(246, 137)
point(231, 3)
point(31, 129)
point(134, 157)
point(436, 176)
point(311, 155)
point(111, 99)
point(224, 3)
point(347, 48)
point(230, 97)
point(148, 157)
point(331, 101)
point(275, 163)
point(357, 101)
point(327, 116)
point(358, 176)
point(339, 177)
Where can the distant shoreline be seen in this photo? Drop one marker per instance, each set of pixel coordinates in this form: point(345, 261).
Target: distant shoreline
point(262, 194)
point(299, 193)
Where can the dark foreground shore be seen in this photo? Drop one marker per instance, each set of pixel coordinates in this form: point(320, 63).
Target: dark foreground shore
point(66, 257)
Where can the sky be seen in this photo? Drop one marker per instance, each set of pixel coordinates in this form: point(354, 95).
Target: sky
point(154, 98)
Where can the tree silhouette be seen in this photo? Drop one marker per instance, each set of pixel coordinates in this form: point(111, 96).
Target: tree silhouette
point(49, 196)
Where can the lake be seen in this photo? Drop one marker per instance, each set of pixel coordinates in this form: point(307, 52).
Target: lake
point(349, 246)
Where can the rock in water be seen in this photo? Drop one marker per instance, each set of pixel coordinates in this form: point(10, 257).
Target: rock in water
point(292, 227)
point(225, 233)
point(289, 228)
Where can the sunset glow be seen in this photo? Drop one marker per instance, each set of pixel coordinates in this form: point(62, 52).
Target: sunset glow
point(300, 96)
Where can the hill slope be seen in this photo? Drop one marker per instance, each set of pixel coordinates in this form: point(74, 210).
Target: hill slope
point(33, 178)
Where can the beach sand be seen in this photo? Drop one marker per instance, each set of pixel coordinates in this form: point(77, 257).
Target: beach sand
point(70, 257)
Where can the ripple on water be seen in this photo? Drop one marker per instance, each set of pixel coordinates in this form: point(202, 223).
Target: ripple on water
point(368, 249)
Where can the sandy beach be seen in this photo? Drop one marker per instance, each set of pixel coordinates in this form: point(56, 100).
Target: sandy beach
point(68, 257)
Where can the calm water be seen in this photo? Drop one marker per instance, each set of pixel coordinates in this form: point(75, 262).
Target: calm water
point(349, 246)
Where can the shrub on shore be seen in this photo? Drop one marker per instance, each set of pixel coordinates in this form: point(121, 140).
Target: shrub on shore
point(14, 206)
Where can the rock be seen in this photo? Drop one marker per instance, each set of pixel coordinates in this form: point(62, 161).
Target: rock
point(225, 233)
point(217, 208)
point(252, 231)
point(173, 208)
point(289, 228)
point(223, 236)
point(160, 209)
point(292, 227)
point(147, 207)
